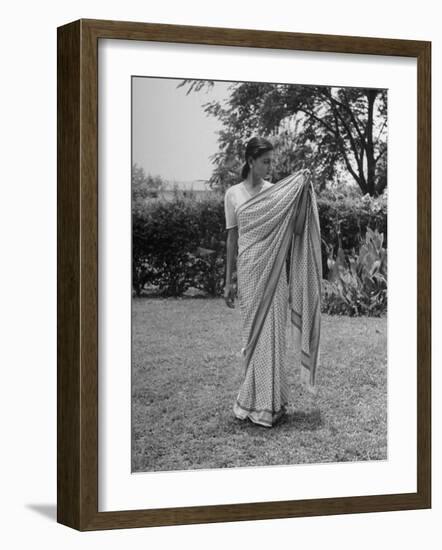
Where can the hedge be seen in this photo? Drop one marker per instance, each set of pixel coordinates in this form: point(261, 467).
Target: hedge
point(180, 243)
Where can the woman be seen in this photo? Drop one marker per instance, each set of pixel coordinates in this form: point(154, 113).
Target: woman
point(263, 223)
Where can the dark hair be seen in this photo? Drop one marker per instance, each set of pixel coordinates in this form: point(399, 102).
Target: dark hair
point(255, 148)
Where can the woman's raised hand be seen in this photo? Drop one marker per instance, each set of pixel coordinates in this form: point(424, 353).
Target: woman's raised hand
point(229, 293)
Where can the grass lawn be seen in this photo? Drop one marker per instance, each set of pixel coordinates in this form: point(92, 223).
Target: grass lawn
point(186, 372)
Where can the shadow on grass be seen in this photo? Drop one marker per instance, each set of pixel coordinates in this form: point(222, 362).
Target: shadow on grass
point(303, 421)
point(300, 421)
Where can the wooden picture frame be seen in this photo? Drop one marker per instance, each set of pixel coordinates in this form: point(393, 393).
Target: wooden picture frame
point(77, 281)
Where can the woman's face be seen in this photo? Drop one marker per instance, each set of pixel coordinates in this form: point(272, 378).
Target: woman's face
point(261, 166)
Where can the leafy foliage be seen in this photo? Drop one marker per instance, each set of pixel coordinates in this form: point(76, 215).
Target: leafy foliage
point(325, 128)
point(144, 186)
point(180, 243)
point(344, 218)
point(357, 285)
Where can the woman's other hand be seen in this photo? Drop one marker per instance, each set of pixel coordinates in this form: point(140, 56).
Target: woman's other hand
point(229, 295)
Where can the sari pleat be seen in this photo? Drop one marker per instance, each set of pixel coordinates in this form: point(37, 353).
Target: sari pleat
point(268, 302)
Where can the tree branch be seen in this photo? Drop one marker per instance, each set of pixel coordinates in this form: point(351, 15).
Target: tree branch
point(359, 180)
point(358, 157)
point(329, 128)
point(380, 131)
point(353, 118)
point(380, 155)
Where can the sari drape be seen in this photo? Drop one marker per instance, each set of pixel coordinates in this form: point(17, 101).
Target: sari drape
point(268, 228)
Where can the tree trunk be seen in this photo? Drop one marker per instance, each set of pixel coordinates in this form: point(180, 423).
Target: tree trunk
point(371, 164)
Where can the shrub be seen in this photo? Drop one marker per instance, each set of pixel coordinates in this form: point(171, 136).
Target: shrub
point(180, 243)
point(357, 285)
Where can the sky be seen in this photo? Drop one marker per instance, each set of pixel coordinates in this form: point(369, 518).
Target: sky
point(172, 135)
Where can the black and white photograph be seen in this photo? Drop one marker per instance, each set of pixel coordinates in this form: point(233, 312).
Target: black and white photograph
point(259, 274)
point(206, 344)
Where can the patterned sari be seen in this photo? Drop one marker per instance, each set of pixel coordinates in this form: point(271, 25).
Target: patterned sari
point(269, 302)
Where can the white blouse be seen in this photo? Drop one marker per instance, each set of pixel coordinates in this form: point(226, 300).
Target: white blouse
point(235, 196)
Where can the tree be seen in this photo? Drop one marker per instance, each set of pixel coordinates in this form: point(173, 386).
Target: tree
point(322, 127)
point(144, 186)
